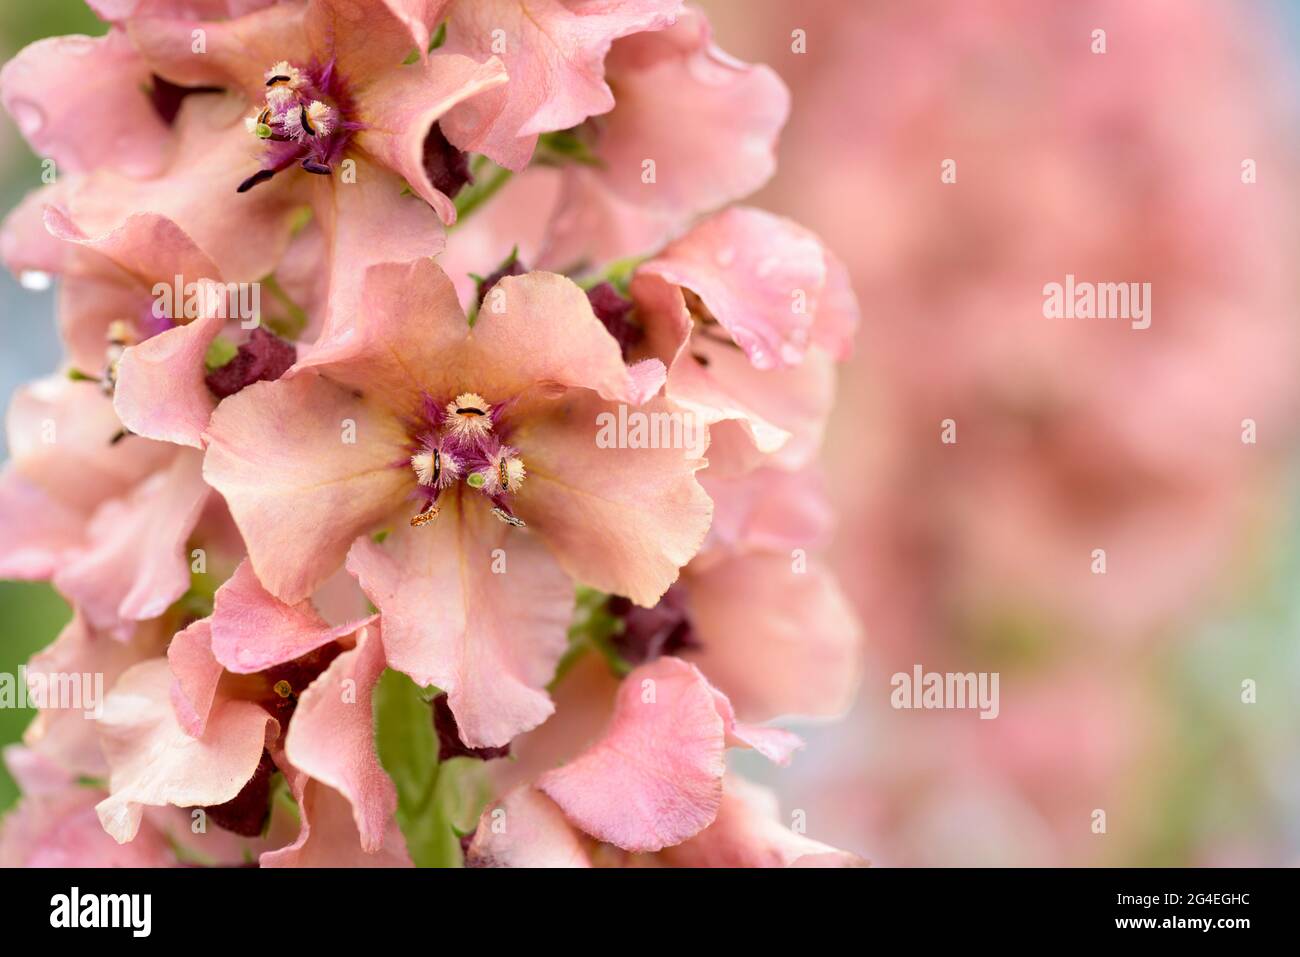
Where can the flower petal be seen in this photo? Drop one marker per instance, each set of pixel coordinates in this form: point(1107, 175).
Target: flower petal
point(161, 393)
point(748, 832)
point(196, 674)
point(777, 641)
point(212, 157)
point(555, 55)
point(475, 607)
point(623, 520)
point(525, 829)
point(135, 563)
point(252, 630)
point(654, 778)
point(306, 466)
point(328, 837)
point(401, 106)
point(332, 737)
point(154, 762)
point(79, 124)
point(709, 123)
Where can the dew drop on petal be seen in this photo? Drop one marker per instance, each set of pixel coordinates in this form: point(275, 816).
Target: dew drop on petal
point(35, 280)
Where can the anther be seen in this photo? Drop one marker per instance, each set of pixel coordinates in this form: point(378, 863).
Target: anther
point(426, 516)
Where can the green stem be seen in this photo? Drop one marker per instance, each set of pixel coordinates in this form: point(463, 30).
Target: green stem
point(475, 196)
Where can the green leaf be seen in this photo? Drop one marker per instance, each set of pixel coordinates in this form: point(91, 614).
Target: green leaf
point(408, 750)
point(220, 352)
point(593, 629)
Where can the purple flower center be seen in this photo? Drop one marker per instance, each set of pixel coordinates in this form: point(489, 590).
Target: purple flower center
point(303, 121)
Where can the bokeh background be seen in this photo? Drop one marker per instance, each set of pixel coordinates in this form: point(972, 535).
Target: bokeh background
point(1119, 692)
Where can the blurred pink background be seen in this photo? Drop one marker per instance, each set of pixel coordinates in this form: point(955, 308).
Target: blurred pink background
point(1119, 692)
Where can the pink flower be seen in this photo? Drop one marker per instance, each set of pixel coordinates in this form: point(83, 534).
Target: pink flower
point(750, 312)
point(457, 435)
point(708, 124)
point(308, 88)
point(554, 54)
point(654, 777)
point(747, 832)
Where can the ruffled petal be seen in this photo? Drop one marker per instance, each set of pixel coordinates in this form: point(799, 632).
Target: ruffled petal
point(399, 108)
point(555, 56)
point(654, 778)
point(236, 53)
point(760, 277)
point(82, 125)
point(475, 607)
point(708, 122)
point(136, 562)
point(621, 519)
point(161, 393)
point(36, 530)
point(66, 734)
point(306, 466)
point(252, 630)
point(328, 836)
point(196, 674)
point(776, 640)
point(244, 235)
point(525, 829)
point(153, 761)
point(332, 737)
point(748, 832)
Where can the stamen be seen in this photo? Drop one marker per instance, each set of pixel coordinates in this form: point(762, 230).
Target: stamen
point(284, 73)
point(469, 416)
point(512, 520)
point(426, 516)
point(261, 176)
point(428, 467)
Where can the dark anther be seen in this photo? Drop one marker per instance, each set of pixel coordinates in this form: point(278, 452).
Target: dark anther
point(446, 166)
point(614, 313)
point(278, 78)
point(700, 358)
point(247, 811)
point(320, 169)
point(261, 176)
point(511, 267)
point(306, 124)
point(650, 633)
point(449, 742)
point(119, 435)
point(263, 357)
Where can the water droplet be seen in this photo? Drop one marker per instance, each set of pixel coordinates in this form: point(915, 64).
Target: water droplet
point(35, 280)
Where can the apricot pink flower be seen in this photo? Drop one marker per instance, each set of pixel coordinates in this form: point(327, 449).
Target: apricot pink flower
point(654, 777)
point(747, 832)
point(706, 121)
point(457, 436)
point(766, 312)
point(554, 53)
point(317, 86)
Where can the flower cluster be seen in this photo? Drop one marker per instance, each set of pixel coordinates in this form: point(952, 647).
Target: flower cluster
point(353, 293)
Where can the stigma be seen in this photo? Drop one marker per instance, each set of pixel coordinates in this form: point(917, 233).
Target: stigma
point(469, 416)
